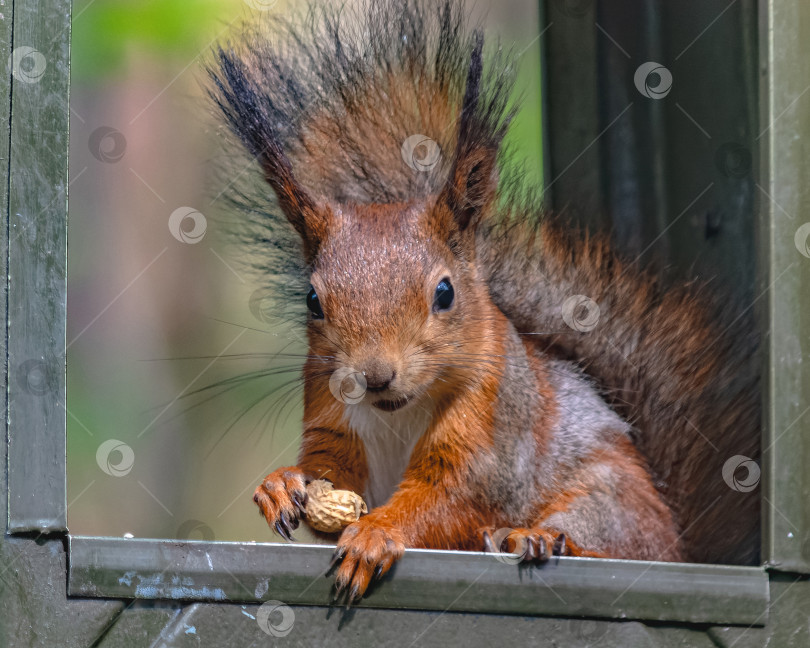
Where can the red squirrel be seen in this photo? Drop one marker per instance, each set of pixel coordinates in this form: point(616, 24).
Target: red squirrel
point(518, 372)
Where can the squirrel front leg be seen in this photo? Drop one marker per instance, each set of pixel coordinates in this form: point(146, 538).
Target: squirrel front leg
point(433, 507)
point(333, 454)
point(608, 509)
point(419, 514)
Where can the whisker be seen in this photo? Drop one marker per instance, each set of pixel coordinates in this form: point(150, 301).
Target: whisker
point(244, 413)
point(259, 355)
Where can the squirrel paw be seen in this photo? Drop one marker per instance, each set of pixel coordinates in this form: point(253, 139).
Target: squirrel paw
point(366, 550)
point(282, 497)
point(529, 544)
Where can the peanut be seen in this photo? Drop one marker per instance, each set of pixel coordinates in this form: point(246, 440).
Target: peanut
point(331, 510)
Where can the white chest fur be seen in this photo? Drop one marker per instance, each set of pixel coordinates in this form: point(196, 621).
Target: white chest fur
point(389, 439)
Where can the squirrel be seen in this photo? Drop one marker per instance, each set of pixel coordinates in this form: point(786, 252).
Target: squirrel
point(515, 371)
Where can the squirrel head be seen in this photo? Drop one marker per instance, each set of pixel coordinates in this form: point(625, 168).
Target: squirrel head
point(395, 296)
point(395, 292)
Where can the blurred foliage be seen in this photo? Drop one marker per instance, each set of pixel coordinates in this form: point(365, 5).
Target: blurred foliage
point(526, 132)
point(104, 31)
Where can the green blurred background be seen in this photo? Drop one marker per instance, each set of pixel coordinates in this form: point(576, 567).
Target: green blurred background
point(151, 318)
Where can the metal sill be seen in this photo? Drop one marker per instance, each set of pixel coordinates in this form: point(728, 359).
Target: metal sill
point(423, 579)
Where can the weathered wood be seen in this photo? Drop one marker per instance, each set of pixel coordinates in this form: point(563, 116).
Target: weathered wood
point(787, 614)
point(672, 177)
point(150, 623)
point(784, 238)
point(571, 111)
point(709, 125)
point(5, 111)
point(237, 625)
point(437, 580)
point(37, 271)
point(34, 609)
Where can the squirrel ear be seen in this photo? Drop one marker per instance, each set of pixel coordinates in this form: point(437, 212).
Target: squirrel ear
point(471, 186)
point(473, 177)
point(245, 108)
point(299, 208)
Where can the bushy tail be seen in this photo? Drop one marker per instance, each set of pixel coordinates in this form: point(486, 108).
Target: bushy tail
point(677, 362)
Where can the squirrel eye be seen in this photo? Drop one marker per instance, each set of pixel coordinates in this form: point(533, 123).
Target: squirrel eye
point(443, 299)
point(314, 304)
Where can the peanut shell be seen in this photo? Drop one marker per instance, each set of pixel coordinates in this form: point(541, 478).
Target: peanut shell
point(331, 510)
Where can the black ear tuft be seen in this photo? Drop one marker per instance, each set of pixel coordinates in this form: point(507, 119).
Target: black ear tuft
point(473, 185)
point(472, 92)
point(473, 180)
point(248, 113)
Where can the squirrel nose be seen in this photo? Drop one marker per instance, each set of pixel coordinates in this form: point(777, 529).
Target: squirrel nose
point(378, 375)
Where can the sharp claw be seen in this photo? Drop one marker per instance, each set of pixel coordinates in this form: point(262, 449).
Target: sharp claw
point(287, 524)
point(353, 596)
point(339, 552)
point(542, 548)
point(341, 586)
point(489, 546)
point(525, 551)
point(301, 498)
point(531, 549)
point(282, 531)
point(559, 545)
point(300, 502)
point(378, 571)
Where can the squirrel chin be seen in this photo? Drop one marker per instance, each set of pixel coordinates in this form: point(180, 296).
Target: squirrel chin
point(391, 405)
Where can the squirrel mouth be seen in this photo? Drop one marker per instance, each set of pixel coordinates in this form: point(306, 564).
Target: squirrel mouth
point(391, 405)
